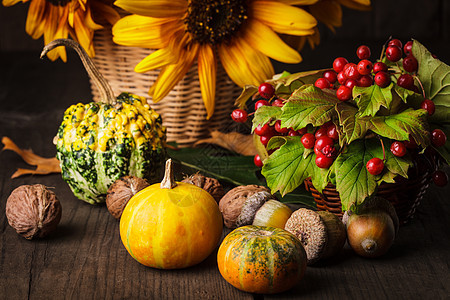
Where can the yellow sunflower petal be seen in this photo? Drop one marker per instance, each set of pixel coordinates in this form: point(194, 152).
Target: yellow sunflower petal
point(51, 26)
point(89, 22)
point(244, 64)
point(105, 12)
point(146, 32)
point(154, 8)
point(170, 75)
point(11, 2)
point(62, 32)
point(35, 19)
point(327, 12)
point(356, 4)
point(284, 18)
point(162, 57)
point(207, 68)
point(268, 42)
point(84, 35)
point(299, 2)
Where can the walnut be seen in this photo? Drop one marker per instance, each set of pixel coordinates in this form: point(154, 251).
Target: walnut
point(121, 191)
point(322, 233)
point(33, 211)
point(241, 203)
point(211, 185)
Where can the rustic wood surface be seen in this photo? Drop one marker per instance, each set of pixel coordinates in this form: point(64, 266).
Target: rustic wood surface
point(85, 259)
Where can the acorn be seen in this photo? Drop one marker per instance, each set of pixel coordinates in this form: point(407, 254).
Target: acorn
point(372, 227)
point(322, 233)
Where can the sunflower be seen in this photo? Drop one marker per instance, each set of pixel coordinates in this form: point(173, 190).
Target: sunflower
point(58, 18)
point(328, 12)
point(241, 34)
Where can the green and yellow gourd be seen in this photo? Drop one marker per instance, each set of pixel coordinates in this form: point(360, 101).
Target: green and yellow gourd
point(99, 142)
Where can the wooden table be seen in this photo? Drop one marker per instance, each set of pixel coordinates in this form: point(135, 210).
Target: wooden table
point(85, 258)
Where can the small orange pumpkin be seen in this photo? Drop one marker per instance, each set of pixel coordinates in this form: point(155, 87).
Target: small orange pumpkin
point(170, 226)
point(260, 259)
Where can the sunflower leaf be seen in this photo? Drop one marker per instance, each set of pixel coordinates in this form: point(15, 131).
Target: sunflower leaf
point(308, 105)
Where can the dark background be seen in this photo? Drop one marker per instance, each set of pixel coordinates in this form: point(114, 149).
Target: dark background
point(426, 21)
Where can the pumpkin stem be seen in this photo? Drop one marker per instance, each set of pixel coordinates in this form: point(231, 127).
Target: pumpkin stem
point(168, 181)
point(102, 84)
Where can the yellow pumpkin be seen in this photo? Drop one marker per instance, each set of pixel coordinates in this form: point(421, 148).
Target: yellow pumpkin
point(171, 225)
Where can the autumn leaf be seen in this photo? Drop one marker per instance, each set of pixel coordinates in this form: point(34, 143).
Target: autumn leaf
point(44, 165)
point(233, 141)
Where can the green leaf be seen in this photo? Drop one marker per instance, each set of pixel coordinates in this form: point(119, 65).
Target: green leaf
point(286, 169)
point(370, 99)
point(402, 125)
point(308, 105)
point(353, 182)
point(247, 92)
point(353, 126)
point(285, 84)
point(265, 114)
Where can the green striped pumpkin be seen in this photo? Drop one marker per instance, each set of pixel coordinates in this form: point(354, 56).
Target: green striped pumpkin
point(260, 259)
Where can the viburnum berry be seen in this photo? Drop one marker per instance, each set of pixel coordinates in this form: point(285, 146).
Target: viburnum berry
point(375, 166)
point(382, 79)
point(343, 93)
point(398, 149)
point(394, 53)
point(239, 115)
point(351, 71)
point(408, 47)
point(329, 151)
point(280, 129)
point(321, 131)
point(331, 76)
point(257, 160)
point(263, 129)
point(293, 132)
point(332, 132)
point(410, 143)
point(410, 64)
point(260, 103)
point(405, 81)
point(322, 83)
point(429, 106)
point(323, 162)
point(379, 67)
point(365, 81)
point(339, 64)
point(395, 42)
point(321, 142)
point(341, 78)
point(308, 140)
point(302, 131)
point(278, 102)
point(265, 138)
point(363, 52)
point(440, 178)
point(438, 138)
point(351, 83)
point(365, 67)
point(266, 90)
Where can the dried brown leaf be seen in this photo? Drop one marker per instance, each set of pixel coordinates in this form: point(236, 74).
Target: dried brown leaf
point(43, 165)
point(233, 141)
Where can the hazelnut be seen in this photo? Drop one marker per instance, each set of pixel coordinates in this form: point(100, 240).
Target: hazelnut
point(241, 203)
point(33, 211)
point(121, 191)
point(322, 233)
point(211, 185)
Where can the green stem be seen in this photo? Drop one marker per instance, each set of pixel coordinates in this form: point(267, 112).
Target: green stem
point(106, 92)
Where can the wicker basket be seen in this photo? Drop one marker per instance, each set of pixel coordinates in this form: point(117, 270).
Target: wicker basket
point(182, 111)
point(404, 195)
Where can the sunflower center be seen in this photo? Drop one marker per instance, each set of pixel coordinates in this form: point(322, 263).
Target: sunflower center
point(210, 21)
point(58, 2)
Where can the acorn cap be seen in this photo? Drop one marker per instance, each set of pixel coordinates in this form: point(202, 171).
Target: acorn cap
point(309, 227)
